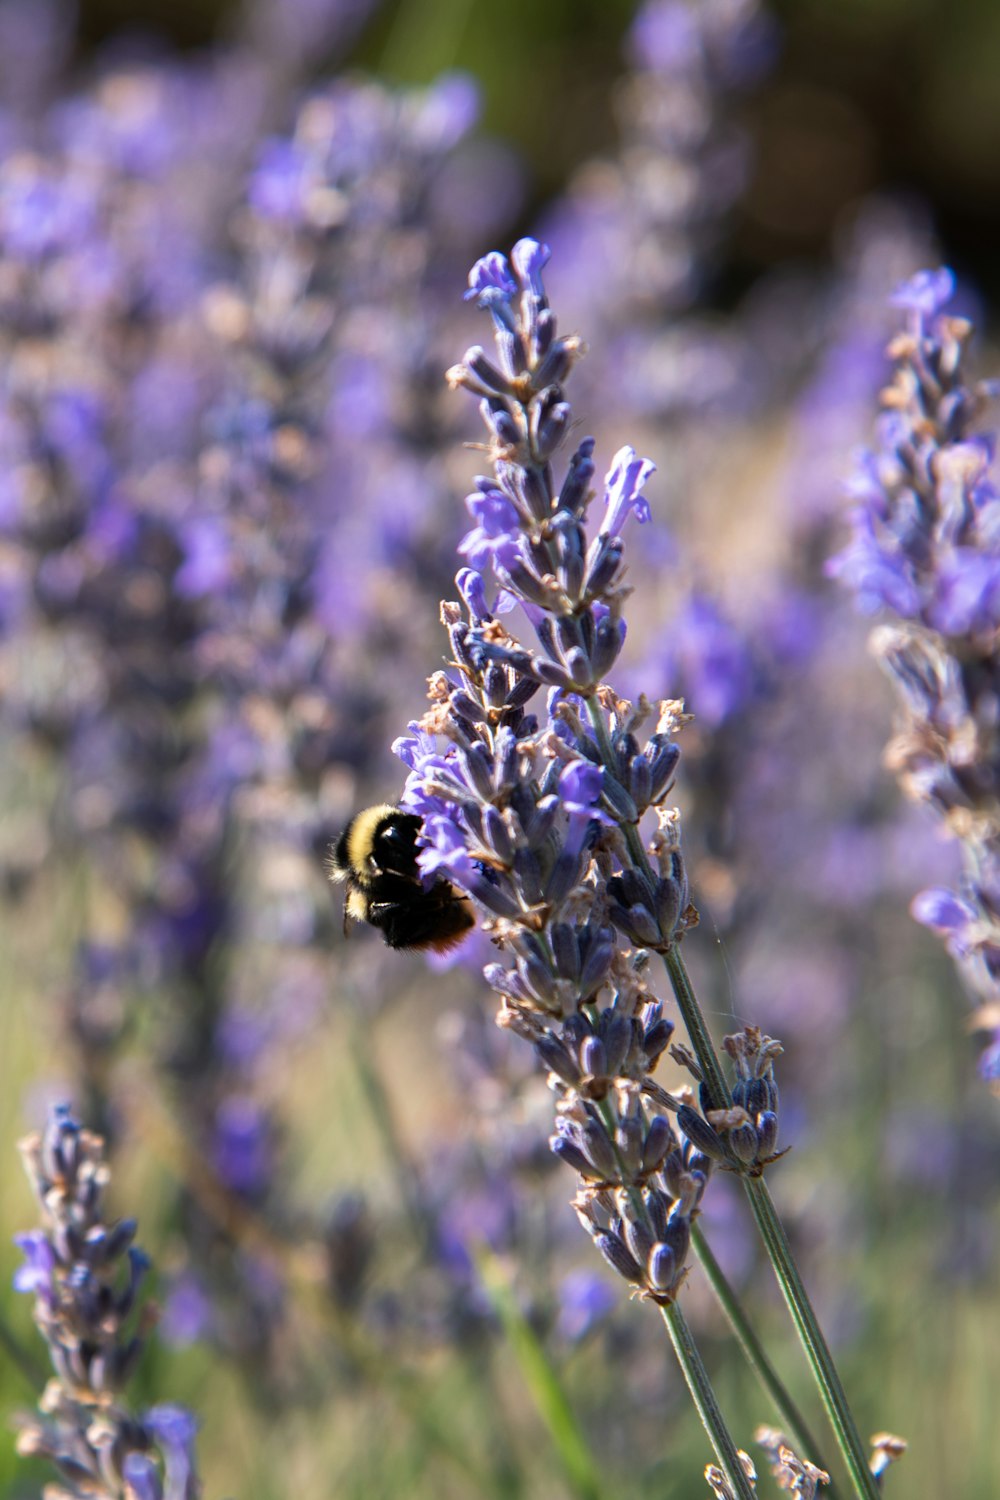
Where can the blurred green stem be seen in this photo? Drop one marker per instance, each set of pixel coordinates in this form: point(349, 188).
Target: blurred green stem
point(542, 1379)
point(24, 1362)
point(404, 1168)
point(424, 39)
point(507, 1477)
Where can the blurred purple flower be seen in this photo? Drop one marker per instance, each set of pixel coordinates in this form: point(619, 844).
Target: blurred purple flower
point(585, 1300)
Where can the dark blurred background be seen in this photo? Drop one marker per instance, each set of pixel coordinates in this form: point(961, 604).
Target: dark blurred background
point(899, 95)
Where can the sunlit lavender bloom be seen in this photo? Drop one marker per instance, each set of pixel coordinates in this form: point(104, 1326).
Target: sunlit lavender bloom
point(86, 1276)
point(176, 380)
point(926, 550)
point(527, 816)
point(888, 242)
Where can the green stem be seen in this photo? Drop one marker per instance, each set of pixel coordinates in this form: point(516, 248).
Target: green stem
point(806, 1324)
point(777, 1248)
point(383, 1117)
point(792, 1420)
point(542, 1380)
point(409, 1186)
point(719, 1096)
point(704, 1399)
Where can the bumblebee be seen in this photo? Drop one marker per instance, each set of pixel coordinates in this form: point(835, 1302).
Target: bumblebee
point(376, 857)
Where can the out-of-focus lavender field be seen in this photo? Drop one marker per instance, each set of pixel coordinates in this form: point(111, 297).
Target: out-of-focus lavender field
point(234, 254)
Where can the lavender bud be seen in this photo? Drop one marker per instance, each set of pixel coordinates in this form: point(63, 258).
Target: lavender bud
point(678, 1236)
point(638, 1239)
point(481, 374)
point(568, 1152)
point(558, 1059)
point(743, 1142)
point(528, 874)
point(631, 908)
point(629, 1136)
point(767, 1135)
point(467, 708)
point(593, 1058)
point(618, 1256)
point(565, 950)
point(609, 638)
point(618, 801)
point(701, 1134)
point(600, 1151)
point(576, 485)
point(661, 1268)
point(549, 417)
point(596, 966)
point(659, 1140)
point(616, 1033)
point(543, 821)
point(640, 783)
point(662, 770)
point(564, 877)
point(557, 361)
point(603, 565)
point(501, 423)
point(538, 979)
point(497, 834)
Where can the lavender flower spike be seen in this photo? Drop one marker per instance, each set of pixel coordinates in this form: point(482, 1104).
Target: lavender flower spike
point(537, 816)
point(925, 552)
point(85, 1274)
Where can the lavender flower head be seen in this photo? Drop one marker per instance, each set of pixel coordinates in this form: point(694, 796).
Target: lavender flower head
point(537, 817)
point(86, 1274)
point(925, 551)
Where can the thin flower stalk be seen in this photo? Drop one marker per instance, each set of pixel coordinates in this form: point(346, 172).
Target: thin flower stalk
point(536, 818)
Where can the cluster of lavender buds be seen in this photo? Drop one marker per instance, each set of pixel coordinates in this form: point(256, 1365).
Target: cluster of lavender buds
point(86, 1274)
point(539, 821)
point(924, 551)
point(792, 1475)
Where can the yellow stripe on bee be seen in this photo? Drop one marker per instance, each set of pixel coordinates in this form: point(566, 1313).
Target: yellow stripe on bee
point(361, 834)
point(357, 906)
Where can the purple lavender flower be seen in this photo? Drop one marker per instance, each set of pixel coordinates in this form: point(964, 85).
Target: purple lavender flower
point(585, 1301)
point(926, 550)
point(528, 817)
point(190, 403)
point(86, 1274)
point(636, 237)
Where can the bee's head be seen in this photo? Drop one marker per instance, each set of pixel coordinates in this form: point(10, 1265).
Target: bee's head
point(379, 839)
